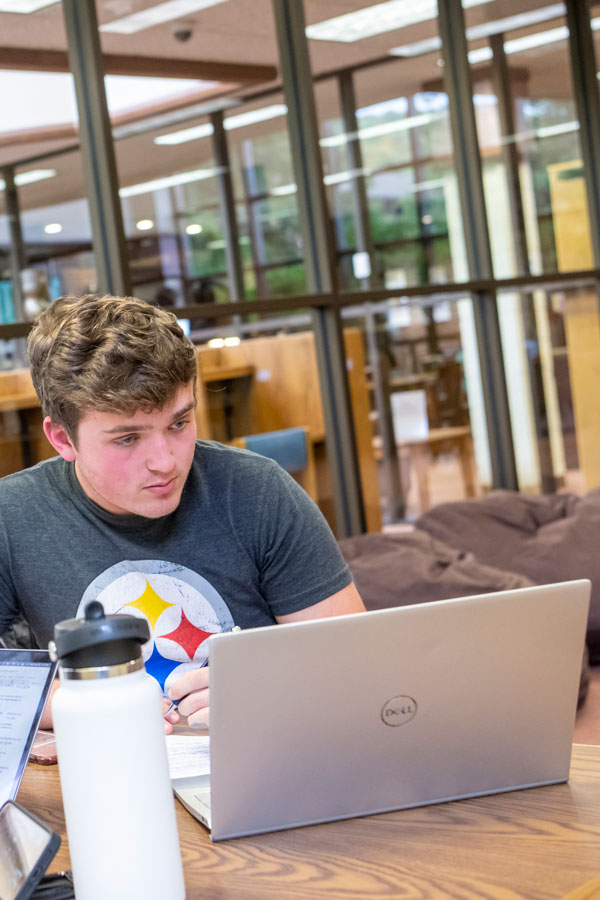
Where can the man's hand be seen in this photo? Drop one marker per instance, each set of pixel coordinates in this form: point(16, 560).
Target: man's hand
point(46, 720)
point(190, 692)
point(171, 719)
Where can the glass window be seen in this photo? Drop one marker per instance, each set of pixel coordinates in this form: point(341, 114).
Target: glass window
point(556, 410)
point(426, 418)
point(387, 153)
point(172, 217)
point(529, 138)
point(393, 199)
point(265, 182)
point(7, 310)
point(57, 233)
point(173, 211)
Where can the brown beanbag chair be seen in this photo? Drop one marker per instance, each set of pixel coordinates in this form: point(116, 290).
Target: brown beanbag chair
point(397, 570)
point(547, 539)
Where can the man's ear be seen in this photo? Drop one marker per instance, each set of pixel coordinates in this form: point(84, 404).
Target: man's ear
point(60, 440)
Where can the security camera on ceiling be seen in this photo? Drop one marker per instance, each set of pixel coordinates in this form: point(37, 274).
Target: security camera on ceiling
point(182, 31)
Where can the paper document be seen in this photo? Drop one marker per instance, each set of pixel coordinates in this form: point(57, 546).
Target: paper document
point(188, 755)
point(21, 687)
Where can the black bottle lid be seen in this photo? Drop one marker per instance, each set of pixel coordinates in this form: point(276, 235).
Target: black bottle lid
point(98, 639)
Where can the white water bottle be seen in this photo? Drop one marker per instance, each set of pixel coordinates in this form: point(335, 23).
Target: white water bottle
point(117, 796)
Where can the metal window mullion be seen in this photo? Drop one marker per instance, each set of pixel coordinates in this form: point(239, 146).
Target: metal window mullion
point(18, 253)
point(587, 101)
point(235, 271)
point(342, 453)
point(467, 160)
point(360, 200)
point(97, 149)
point(364, 244)
point(304, 144)
point(255, 229)
point(510, 152)
point(510, 156)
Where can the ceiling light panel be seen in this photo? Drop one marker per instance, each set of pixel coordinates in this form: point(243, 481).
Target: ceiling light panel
point(33, 175)
point(186, 134)
point(254, 116)
point(30, 177)
point(157, 15)
point(134, 190)
point(481, 54)
point(418, 48)
point(554, 130)
point(486, 29)
point(518, 45)
point(283, 190)
point(529, 41)
point(230, 123)
point(371, 131)
point(520, 20)
point(24, 6)
point(171, 118)
point(377, 19)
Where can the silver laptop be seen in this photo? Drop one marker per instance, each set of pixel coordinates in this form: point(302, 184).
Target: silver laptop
point(402, 707)
point(25, 680)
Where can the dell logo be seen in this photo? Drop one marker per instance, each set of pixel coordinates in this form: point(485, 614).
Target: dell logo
point(399, 710)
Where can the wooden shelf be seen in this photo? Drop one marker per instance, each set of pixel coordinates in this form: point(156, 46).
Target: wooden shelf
point(210, 374)
point(10, 402)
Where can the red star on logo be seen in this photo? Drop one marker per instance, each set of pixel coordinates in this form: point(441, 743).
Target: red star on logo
point(187, 636)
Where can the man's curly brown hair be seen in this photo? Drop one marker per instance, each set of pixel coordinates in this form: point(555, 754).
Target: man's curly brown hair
point(109, 354)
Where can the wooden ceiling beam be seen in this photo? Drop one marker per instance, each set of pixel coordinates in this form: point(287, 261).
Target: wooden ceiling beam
point(27, 59)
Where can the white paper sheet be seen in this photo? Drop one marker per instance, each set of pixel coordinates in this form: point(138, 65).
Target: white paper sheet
point(188, 754)
point(21, 688)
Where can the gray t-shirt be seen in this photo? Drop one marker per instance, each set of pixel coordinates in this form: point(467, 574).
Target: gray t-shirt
point(245, 545)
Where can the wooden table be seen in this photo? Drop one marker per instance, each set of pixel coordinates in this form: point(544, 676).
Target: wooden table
point(456, 438)
point(413, 381)
point(417, 451)
point(539, 844)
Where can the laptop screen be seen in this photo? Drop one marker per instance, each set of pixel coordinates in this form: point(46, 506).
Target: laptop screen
point(25, 680)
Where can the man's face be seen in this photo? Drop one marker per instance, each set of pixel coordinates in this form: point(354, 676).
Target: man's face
point(137, 464)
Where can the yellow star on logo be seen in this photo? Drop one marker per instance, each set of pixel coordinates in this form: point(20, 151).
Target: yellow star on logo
point(150, 604)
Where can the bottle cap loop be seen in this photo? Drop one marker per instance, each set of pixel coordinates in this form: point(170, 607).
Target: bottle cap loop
point(98, 640)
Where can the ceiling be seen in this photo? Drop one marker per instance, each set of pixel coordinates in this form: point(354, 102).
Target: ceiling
point(242, 33)
point(237, 31)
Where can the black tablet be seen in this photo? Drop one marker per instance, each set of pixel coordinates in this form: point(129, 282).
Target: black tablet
point(27, 847)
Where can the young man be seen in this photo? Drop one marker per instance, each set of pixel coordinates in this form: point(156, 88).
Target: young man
point(194, 536)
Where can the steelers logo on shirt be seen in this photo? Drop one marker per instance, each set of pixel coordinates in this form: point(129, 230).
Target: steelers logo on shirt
point(181, 607)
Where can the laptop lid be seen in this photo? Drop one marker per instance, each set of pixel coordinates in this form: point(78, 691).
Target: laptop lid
point(359, 714)
point(25, 680)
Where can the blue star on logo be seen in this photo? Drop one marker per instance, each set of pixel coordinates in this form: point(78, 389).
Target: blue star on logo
point(159, 667)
